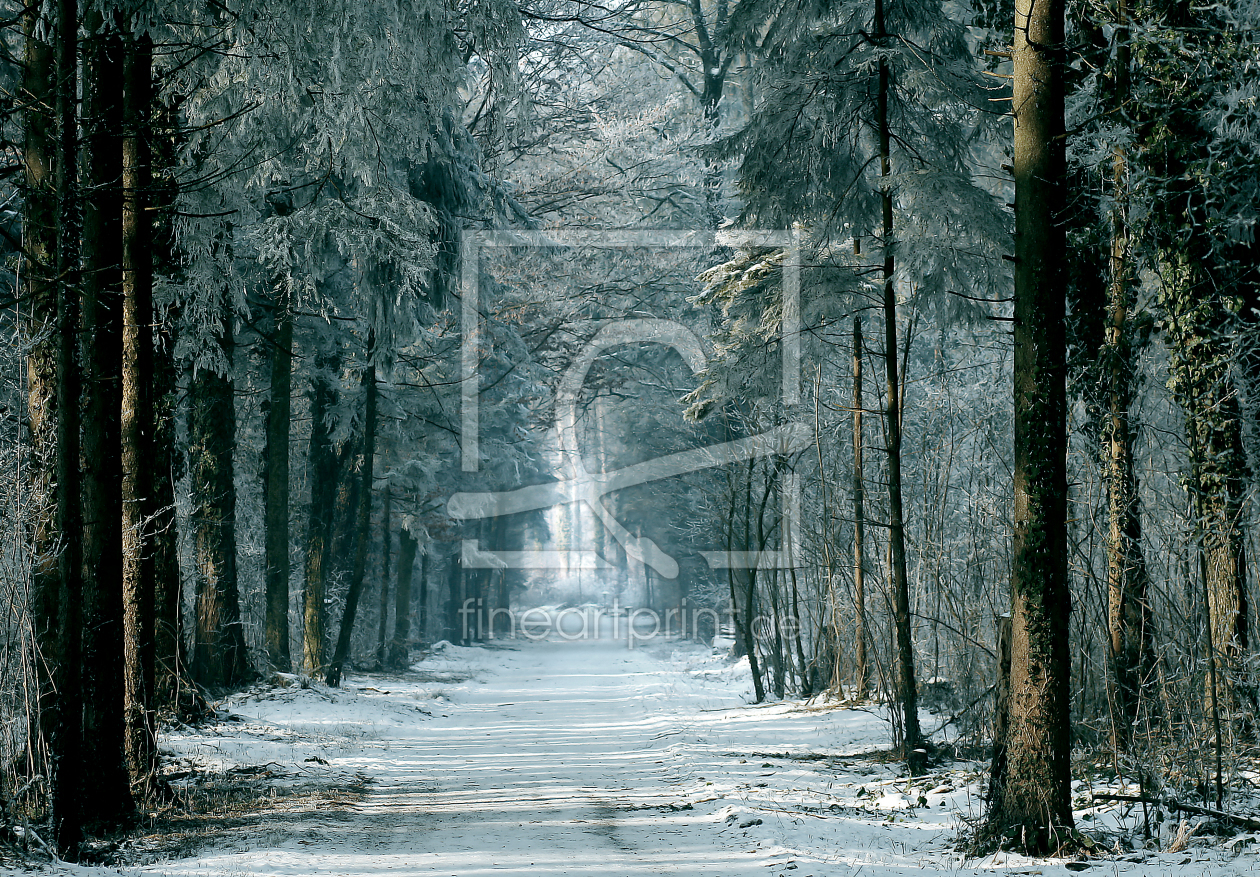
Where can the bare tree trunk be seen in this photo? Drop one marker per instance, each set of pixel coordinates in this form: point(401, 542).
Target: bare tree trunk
point(906, 686)
point(1217, 479)
point(1128, 612)
point(1213, 680)
point(422, 614)
point(386, 539)
point(1001, 705)
point(40, 330)
point(276, 623)
point(169, 658)
point(321, 465)
point(1217, 483)
point(171, 671)
point(743, 582)
point(807, 688)
point(454, 578)
point(1203, 292)
point(107, 798)
point(862, 677)
point(1034, 802)
point(346, 510)
point(65, 751)
point(364, 518)
point(400, 647)
point(779, 666)
point(220, 658)
point(138, 507)
point(1222, 518)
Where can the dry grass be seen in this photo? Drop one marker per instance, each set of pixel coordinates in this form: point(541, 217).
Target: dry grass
point(206, 809)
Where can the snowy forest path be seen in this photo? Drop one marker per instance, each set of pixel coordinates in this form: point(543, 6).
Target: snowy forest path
point(560, 764)
point(565, 758)
point(588, 759)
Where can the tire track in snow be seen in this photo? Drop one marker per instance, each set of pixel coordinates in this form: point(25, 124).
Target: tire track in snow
point(562, 761)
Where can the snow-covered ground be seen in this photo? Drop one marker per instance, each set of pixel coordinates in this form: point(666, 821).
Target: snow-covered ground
point(590, 758)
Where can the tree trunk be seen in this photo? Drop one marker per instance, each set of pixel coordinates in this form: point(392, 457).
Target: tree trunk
point(1001, 703)
point(742, 582)
point(802, 666)
point(713, 78)
point(1034, 803)
point(422, 616)
point(40, 331)
point(400, 647)
point(1217, 482)
point(861, 669)
point(171, 671)
point(382, 629)
point(321, 464)
point(138, 472)
point(779, 665)
point(907, 691)
point(65, 751)
point(1128, 612)
point(219, 658)
point(346, 511)
point(1203, 291)
point(454, 575)
point(1198, 322)
point(277, 495)
point(364, 518)
point(107, 798)
point(168, 634)
point(1201, 359)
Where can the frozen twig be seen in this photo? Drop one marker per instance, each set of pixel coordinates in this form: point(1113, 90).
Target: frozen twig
point(1245, 821)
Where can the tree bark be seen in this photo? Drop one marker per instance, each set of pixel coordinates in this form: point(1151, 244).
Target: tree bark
point(454, 579)
point(40, 331)
point(321, 464)
point(400, 646)
point(1001, 706)
point(1128, 612)
point(1204, 286)
point(1217, 483)
point(168, 633)
point(861, 669)
point(171, 671)
point(742, 582)
point(277, 495)
point(107, 799)
point(912, 743)
point(382, 629)
point(422, 614)
point(138, 472)
point(219, 658)
point(346, 510)
point(364, 518)
point(1198, 322)
point(1033, 806)
point(65, 751)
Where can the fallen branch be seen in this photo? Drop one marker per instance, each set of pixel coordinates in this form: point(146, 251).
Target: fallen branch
point(26, 832)
point(1245, 821)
